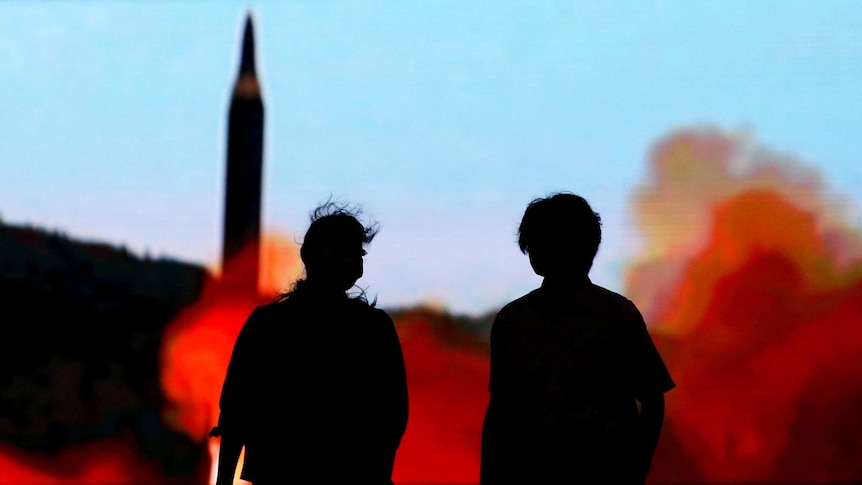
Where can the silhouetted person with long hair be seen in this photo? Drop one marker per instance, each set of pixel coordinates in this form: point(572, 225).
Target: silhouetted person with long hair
point(571, 364)
point(316, 389)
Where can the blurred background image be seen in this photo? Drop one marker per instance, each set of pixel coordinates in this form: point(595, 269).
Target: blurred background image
point(159, 160)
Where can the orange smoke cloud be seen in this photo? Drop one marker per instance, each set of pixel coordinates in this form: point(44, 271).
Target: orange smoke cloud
point(752, 284)
point(280, 264)
point(197, 345)
point(691, 173)
point(194, 358)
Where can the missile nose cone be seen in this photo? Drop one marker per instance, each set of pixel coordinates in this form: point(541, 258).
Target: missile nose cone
point(247, 85)
point(247, 63)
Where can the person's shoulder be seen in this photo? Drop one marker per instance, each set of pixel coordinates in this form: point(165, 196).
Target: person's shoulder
point(264, 313)
point(611, 300)
point(375, 323)
point(377, 313)
point(520, 302)
point(259, 321)
point(381, 318)
point(370, 311)
point(361, 305)
point(604, 294)
point(270, 308)
point(282, 310)
point(519, 306)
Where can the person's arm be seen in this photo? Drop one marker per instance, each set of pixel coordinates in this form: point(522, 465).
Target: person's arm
point(228, 458)
point(399, 382)
point(648, 431)
point(652, 379)
point(493, 452)
point(394, 404)
point(233, 396)
point(489, 468)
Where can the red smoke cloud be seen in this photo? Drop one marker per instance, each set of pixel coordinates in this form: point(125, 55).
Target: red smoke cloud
point(752, 283)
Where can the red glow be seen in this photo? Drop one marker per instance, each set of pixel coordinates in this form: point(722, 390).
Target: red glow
point(108, 462)
point(448, 395)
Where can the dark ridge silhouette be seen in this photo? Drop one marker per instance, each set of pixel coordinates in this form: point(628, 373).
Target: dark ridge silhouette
point(82, 326)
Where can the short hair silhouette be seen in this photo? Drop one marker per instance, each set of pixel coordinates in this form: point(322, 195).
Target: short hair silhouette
point(560, 233)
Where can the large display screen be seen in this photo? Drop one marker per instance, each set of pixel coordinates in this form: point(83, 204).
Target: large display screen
point(719, 142)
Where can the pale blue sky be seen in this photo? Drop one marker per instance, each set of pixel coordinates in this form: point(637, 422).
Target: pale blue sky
point(443, 118)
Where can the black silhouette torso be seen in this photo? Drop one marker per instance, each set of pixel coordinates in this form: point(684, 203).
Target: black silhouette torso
point(316, 387)
point(567, 366)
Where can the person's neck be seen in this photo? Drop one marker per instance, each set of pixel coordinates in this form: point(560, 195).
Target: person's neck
point(565, 283)
point(324, 289)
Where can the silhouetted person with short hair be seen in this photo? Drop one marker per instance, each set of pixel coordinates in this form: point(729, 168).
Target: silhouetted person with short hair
point(316, 389)
point(570, 361)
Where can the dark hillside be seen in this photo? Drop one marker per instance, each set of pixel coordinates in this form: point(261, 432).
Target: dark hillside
point(82, 324)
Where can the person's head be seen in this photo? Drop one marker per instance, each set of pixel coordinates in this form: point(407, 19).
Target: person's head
point(561, 234)
point(334, 245)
